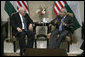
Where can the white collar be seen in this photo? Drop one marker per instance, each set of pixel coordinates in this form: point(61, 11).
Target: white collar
point(64, 16)
point(20, 15)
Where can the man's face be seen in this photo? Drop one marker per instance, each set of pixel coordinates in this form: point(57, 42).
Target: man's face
point(23, 12)
point(62, 13)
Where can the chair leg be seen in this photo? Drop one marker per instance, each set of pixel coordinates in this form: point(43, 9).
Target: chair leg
point(47, 43)
point(14, 46)
point(68, 46)
point(35, 44)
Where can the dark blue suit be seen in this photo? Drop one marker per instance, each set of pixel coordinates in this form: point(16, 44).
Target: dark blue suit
point(16, 22)
point(55, 41)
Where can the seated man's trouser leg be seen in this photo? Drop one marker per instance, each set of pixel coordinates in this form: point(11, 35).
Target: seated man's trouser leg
point(54, 41)
point(61, 37)
point(22, 42)
point(30, 40)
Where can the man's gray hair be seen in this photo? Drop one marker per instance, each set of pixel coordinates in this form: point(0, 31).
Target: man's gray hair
point(64, 9)
point(20, 8)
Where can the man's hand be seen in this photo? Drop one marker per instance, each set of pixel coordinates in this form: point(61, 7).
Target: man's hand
point(56, 21)
point(30, 27)
point(48, 35)
point(19, 29)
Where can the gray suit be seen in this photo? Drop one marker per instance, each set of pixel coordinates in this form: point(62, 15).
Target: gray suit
point(55, 41)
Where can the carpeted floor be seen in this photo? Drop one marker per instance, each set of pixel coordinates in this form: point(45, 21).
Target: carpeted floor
point(17, 54)
point(11, 54)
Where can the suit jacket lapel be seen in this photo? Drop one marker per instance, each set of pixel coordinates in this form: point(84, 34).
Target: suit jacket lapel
point(19, 19)
point(65, 19)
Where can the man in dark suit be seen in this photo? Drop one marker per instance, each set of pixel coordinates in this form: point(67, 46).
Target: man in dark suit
point(22, 25)
point(64, 23)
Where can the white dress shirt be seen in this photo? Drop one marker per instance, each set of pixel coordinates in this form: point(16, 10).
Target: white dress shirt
point(21, 20)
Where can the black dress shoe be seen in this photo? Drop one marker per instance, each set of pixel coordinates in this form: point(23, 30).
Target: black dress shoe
point(22, 52)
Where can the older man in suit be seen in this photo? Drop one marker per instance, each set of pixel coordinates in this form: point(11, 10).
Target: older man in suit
point(22, 25)
point(63, 23)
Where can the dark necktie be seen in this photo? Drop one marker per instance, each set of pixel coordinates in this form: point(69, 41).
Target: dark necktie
point(25, 25)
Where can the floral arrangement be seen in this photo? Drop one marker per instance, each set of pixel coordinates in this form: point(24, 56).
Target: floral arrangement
point(41, 11)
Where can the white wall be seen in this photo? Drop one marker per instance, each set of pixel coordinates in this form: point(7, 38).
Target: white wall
point(77, 33)
point(4, 15)
point(82, 10)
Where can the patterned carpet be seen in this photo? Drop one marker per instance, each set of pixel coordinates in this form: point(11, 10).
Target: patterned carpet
point(11, 54)
point(17, 54)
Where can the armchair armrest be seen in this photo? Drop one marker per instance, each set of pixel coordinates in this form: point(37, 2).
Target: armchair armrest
point(68, 39)
point(48, 35)
point(14, 38)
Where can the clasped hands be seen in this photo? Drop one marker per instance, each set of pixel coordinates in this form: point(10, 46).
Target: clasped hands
point(30, 27)
point(63, 23)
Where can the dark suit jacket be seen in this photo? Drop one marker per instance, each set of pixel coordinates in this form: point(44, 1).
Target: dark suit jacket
point(68, 20)
point(15, 22)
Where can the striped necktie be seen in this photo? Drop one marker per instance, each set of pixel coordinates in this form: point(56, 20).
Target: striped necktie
point(60, 27)
point(25, 25)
